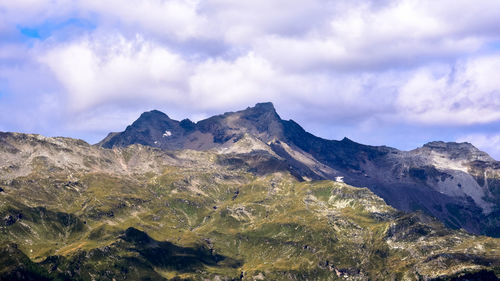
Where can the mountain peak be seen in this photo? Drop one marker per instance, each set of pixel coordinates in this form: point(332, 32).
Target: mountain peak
point(148, 129)
point(261, 109)
point(449, 146)
point(152, 118)
point(458, 150)
point(153, 114)
point(267, 106)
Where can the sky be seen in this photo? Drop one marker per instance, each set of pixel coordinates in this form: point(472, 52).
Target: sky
point(381, 72)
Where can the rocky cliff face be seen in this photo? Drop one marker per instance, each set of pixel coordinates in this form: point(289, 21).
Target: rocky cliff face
point(454, 182)
point(156, 129)
point(237, 211)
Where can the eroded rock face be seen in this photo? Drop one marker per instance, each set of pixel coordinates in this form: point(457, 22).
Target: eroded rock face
point(454, 182)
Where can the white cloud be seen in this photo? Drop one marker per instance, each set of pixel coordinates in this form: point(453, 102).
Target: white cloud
point(95, 71)
point(218, 83)
point(101, 71)
point(465, 93)
point(243, 22)
point(297, 34)
point(369, 37)
point(177, 18)
point(357, 62)
point(31, 12)
point(13, 52)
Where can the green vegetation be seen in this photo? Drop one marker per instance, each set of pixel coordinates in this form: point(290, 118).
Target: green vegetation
point(196, 219)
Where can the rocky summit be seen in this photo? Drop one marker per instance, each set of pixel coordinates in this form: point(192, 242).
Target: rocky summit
point(244, 196)
point(454, 182)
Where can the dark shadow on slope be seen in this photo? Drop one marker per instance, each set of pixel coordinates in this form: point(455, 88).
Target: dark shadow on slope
point(134, 256)
point(169, 256)
point(411, 227)
point(16, 266)
point(483, 275)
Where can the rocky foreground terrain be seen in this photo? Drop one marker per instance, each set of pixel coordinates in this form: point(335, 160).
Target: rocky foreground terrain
point(243, 196)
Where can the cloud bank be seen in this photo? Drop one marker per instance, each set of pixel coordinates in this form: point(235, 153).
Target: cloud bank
point(375, 71)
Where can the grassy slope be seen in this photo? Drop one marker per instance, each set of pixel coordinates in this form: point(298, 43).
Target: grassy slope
point(204, 220)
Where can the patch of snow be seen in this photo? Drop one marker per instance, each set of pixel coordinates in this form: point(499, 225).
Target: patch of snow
point(167, 134)
point(339, 179)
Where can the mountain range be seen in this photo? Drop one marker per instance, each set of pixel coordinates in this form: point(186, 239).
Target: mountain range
point(454, 182)
point(244, 196)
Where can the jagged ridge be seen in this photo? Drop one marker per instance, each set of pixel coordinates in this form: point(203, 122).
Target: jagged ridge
point(454, 182)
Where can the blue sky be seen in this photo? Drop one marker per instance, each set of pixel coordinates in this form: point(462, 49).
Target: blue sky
point(399, 73)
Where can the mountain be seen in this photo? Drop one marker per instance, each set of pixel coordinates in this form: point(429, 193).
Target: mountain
point(156, 129)
point(454, 182)
point(235, 211)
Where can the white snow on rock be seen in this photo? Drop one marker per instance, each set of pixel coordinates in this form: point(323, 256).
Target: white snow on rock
point(167, 134)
